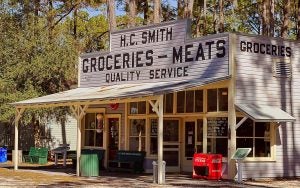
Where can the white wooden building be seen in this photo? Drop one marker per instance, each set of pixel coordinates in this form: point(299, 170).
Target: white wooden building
point(163, 92)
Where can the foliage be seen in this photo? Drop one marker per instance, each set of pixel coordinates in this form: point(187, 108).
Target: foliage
point(40, 40)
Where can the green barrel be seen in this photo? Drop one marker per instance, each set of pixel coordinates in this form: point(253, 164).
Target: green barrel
point(89, 162)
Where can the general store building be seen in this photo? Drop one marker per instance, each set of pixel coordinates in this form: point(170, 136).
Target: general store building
point(159, 90)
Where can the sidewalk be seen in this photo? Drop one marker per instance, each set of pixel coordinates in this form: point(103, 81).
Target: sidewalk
point(30, 176)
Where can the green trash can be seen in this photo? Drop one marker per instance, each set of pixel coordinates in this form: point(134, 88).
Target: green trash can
point(90, 162)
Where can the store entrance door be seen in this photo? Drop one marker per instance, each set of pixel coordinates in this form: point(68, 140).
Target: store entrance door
point(113, 124)
point(171, 146)
point(192, 142)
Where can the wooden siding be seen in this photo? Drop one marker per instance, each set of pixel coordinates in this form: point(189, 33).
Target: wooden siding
point(156, 60)
point(60, 132)
point(255, 84)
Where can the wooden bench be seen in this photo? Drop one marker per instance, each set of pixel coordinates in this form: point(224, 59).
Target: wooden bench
point(37, 155)
point(132, 161)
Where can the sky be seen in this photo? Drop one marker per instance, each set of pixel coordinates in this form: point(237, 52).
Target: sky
point(119, 11)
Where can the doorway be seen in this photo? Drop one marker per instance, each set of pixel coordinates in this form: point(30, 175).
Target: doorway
point(171, 144)
point(192, 142)
point(112, 132)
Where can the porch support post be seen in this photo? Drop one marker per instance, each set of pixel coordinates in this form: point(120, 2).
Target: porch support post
point(19, 112)
point(160, 140)
point(158, 108)
point(78, 112)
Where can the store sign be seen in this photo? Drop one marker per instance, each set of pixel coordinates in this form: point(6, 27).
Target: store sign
point(153, 54)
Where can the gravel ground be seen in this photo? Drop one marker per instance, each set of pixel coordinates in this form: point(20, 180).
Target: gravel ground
point(32, 176)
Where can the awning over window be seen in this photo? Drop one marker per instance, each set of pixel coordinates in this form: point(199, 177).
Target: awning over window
point(264, 113)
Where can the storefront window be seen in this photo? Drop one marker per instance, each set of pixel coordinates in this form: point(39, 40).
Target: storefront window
point(223, 99)
point(137, 107)
point(217, 99)
point(153, 136)
point(198, 100)
point(217, 131)
point(256, 136)
point(93, 130)
point(212, 100)
point(190, 101)
point(170, 133)
point(168, 103)
point(180, 101)
point(137, 134)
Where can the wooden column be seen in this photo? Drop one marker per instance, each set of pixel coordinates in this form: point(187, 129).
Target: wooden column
point(78, 112)
point(231, 108)
point(158, 108)
point(19, 112)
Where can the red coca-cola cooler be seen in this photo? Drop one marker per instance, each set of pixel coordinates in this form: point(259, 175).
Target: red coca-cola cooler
point(207, 166)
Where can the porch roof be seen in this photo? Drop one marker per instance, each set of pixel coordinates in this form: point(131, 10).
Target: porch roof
point(114, 93)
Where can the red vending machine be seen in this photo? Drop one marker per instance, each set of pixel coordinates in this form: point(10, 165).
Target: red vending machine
point(200, 165)
point(215, 166)
point(207, 166)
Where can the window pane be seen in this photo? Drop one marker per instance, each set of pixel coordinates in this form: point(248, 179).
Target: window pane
point(223, 99)
point(180, 101)
point(262, 129)
point(99, 139)
point(246, 129)
point(217, 126)
point(171, 129)
point(151, 109)
point(137, 127)
point(199, 101)
point(217, 146)
point(212, 100)
point(189, 99)
point(134, 143)
point(262, 148)
point(89, 138)
point(90, 121)
point(133, 108)
point(245, 143)
point(153, 145)
point(171, 158)
point(142, 107)
point(169, 103)
point(199, 130)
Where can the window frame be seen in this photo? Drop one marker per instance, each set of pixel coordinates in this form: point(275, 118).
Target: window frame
point(94, 111)
point(272, 133)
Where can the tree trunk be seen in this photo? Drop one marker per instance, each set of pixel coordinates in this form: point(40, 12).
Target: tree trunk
point(132, 12)
point(215, 21)
point(286, 15)
point(188, 8)
point(180, 8)
point(111, 15)
point(75, 23)
point(266, 21)
point(298, 20)
point(156, 11)
point(50, 20)
point(204, 17)
point(146, 12)
point(221, 16)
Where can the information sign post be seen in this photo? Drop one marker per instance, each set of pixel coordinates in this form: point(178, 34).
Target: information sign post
point(239, 155)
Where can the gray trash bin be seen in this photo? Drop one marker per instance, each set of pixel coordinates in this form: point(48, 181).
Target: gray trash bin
point(155, 172)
